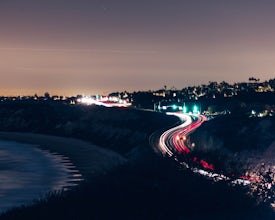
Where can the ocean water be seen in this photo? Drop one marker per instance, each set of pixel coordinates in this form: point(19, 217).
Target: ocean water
point(28, 173)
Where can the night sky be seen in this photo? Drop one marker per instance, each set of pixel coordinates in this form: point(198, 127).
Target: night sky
point(69, 47)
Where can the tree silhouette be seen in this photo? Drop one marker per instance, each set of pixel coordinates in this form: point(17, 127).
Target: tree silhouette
point(47, 95)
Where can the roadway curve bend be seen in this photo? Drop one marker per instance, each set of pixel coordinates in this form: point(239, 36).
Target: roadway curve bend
point(174, 143)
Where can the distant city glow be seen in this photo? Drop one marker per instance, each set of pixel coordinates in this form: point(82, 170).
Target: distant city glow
point(104, 101)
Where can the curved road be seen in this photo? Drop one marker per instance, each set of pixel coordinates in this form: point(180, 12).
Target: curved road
point(173, 142)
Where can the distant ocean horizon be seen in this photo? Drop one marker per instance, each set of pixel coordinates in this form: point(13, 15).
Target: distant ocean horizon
point(28, 173)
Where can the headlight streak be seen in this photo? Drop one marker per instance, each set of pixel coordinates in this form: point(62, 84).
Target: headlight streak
point(170, 141)
point(164, 138)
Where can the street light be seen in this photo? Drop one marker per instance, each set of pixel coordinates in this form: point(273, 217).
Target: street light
point(184, 109)
point(195, 109)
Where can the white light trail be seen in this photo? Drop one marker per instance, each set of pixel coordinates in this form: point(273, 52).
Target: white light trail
point(165, 150)
point(162, 140)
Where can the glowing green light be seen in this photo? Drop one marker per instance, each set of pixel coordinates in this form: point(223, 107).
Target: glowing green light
point(184, 109)
point(174, 107)
point(195, 109)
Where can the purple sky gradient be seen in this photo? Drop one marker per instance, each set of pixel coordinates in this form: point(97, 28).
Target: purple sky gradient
point(99, 46)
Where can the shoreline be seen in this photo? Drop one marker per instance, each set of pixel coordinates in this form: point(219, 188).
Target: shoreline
point(28, 173)
point(89, 159)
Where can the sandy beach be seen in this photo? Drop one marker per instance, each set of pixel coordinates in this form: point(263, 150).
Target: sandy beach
point(89, 159)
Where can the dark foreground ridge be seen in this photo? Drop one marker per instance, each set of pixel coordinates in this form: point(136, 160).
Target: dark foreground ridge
point(145, 186)
point(235, 136)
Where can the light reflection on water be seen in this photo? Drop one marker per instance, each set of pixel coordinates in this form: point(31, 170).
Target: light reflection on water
point(28, 173)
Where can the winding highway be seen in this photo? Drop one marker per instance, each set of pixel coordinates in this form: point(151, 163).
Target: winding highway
point(166, 140)
point(174, 143)
point(174, 140)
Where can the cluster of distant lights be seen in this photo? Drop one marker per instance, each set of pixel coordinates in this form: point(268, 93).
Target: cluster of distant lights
point(104, 101)
point(184, 109)
point(261, 114)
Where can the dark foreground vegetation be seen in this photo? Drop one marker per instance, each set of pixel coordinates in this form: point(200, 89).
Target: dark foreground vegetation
point(150, 188)
point(146, 187)
point(228, 140)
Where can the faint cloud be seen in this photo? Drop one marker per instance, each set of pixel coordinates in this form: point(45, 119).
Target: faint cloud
point(78, 50)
